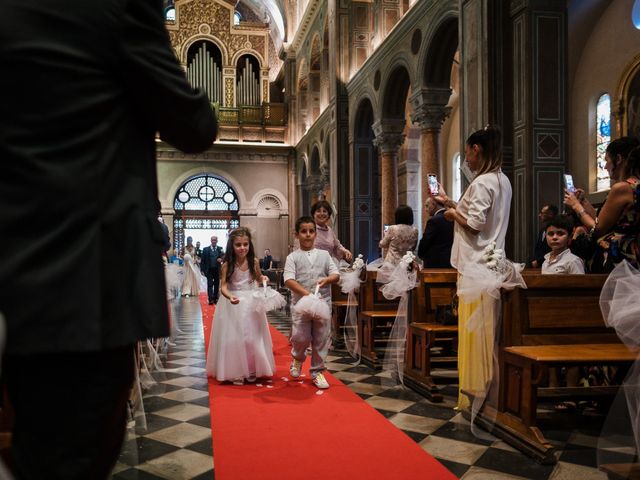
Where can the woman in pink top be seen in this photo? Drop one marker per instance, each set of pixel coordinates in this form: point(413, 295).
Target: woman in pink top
point(326, 239)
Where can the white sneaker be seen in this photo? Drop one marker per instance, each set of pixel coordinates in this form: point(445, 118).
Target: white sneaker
point(295, 368)
point(320, 382)
point(238, 381)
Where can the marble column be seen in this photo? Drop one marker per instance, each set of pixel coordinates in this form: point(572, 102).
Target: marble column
point(389, 138)
point(429, 112)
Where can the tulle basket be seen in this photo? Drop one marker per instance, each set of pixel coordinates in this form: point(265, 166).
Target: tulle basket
point(267, 299)
point(314, 306)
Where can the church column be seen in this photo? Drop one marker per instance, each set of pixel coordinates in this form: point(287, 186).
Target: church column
point(429, 112)
point(539, 99)
point(389, 138)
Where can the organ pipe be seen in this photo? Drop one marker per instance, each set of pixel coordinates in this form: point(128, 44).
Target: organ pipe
point(204, 73)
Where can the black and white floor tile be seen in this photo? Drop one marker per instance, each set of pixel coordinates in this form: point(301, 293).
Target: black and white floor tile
point(177, 442)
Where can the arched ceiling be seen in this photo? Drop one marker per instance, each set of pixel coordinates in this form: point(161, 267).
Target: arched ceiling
point(272, 12)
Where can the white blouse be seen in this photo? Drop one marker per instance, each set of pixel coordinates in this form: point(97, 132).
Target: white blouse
point(486, 205)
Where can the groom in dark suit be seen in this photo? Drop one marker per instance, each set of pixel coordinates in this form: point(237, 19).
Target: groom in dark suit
point(212, 257)
point(83, 91)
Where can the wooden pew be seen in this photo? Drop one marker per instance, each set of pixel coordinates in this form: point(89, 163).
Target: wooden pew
point(436, 286)
point(556, 321)
point(375, 319)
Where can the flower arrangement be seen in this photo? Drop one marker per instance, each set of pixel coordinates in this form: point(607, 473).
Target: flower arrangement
point(409, 260)
point(494, 257)
point(358, 263)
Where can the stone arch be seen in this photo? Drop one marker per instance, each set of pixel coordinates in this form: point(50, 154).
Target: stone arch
point(211, 38)
point(439, 54)
point(365, 185)
point(314, 165)
point(211, 170)
point(395, 91)
point(627, 98)
point(248, 51)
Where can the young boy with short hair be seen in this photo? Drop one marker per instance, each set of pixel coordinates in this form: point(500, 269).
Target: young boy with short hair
point(560, 260)
point(304, 269)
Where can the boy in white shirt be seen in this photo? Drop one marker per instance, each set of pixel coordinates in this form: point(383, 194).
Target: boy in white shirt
point(560, 260)
point(304, 269)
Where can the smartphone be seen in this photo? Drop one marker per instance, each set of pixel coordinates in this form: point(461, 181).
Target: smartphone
point(385, 228)
point(433, 184)
point(568, 183)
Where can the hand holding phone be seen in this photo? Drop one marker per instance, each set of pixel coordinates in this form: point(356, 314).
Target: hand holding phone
point(568, 183)
point(432, 179)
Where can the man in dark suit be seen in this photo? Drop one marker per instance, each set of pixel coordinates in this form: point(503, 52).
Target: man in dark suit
point(541, 248)
point(84, 88)
point(212, 257)
point(435, 246)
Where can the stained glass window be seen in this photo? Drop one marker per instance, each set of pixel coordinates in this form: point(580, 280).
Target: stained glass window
point(206, 193)
point(237, 18)
point(603, 137)
point(170, 14)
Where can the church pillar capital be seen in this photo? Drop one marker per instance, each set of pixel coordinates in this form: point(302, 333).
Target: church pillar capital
point(430, 107)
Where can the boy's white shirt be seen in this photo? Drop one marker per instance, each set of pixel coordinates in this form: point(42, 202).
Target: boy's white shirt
point(307, 267)
point(564, 263)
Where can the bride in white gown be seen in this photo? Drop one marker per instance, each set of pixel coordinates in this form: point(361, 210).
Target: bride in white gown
point(191, 282)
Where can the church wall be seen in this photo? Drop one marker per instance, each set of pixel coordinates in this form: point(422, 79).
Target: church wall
point(611, 46)
point(253, 176)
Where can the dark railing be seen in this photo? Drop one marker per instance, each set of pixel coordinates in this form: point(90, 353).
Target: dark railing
point(267, 114)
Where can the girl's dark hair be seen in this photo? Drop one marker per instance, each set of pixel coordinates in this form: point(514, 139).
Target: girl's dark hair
point(321, 204)
point(230, 256)
point(489, 139)
point(404, 215)
point(633, 163)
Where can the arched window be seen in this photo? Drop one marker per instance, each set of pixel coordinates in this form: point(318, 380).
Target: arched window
point(204, 205)
point(456, 189)
point(635, 14)
point(206, 192)
point(237, 18)
point(603, 137)
point(170, 14)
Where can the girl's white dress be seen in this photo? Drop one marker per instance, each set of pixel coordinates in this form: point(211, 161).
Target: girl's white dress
point(191, 282)
point(240, 344)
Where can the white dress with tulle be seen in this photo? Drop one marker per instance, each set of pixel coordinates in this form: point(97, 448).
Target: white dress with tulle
point(191, 282)
point(240, 345)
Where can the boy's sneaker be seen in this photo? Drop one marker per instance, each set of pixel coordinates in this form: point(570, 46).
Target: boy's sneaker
point(295, 368)
point(320, 382)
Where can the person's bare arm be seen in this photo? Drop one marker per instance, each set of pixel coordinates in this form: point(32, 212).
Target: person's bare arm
point(295, 287)
point(333, 278)
point(619, 197)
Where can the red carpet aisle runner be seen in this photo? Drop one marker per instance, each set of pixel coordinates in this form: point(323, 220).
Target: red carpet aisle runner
point(285, 431)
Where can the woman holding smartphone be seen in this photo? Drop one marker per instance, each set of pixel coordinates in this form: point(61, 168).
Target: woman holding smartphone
point(481, 218)
point(615, 230)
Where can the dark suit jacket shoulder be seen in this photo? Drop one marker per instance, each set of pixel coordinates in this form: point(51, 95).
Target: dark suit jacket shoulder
point(80, 103)
point(435, 245)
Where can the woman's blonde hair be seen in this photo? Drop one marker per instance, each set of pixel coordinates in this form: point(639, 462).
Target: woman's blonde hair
point(489, 139)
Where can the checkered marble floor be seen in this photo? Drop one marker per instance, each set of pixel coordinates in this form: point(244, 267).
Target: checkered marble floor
point(177, 442)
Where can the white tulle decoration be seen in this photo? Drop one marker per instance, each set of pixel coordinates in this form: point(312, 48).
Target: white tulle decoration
point(401, 280)
point(313, 305)
point(621, 311)
point(350, 282)
point(267, 299)
point(173, 278)
point(483, 282)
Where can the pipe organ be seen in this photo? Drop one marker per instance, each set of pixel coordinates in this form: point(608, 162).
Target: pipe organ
point(248, 84)
point(205, 73)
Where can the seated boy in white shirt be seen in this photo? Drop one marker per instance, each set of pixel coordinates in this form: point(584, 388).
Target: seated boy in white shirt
point(560, 260)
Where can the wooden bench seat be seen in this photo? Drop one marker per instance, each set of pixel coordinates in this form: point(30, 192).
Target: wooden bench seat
point(375, 318)
point(436, 286)
point(554, 322)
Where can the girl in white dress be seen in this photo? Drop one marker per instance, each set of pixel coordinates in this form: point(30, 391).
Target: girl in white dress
point(240, 347)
